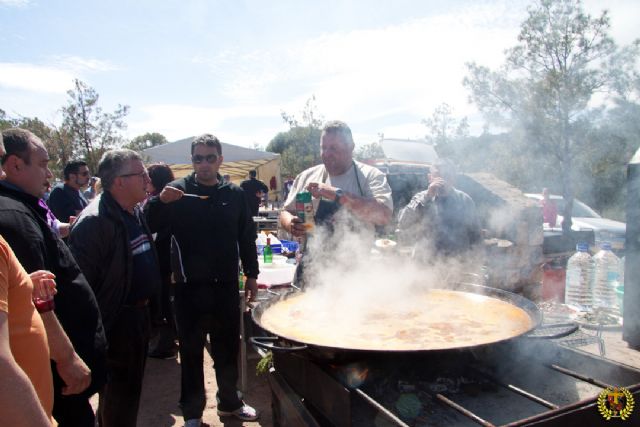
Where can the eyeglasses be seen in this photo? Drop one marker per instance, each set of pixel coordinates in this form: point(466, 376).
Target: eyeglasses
point(142, 174)
point(210, 158)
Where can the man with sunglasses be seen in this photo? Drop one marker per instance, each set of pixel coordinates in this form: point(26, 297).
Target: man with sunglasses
point(67, 200)
point(212, 230)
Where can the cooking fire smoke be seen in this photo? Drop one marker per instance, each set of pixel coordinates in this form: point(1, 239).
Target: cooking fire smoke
point(349, 274)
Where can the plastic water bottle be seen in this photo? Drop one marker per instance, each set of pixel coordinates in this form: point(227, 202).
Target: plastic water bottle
point(267, 253)
point(605, 278)
point(579, 284)
point(261, 241)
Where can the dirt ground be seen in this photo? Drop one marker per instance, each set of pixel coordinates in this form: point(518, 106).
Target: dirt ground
point(161, 389)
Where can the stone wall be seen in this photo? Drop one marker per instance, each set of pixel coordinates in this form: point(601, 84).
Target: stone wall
point(513, 233)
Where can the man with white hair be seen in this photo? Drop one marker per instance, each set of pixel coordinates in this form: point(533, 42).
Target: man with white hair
point(340, 182)
point(115, 250)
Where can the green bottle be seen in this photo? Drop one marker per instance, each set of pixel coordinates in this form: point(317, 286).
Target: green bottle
point(240, 280)
point(267, 253)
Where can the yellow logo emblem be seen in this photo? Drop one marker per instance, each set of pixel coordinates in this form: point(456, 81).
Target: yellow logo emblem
point(615, 402)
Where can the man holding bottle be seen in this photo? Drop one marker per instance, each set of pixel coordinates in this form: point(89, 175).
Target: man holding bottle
point(340, 182)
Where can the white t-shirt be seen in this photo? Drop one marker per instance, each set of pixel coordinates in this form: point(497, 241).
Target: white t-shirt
point(372, 184)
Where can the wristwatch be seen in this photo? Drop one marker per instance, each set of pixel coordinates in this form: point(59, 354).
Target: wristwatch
point(339, 193)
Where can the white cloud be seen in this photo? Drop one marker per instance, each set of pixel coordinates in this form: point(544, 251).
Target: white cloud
point(396, 70)
point(378, 80)
point(624, 17)
point(35, 78)
point(55, 77)
point(180, 121)
point(79, 64)
point(15, 3)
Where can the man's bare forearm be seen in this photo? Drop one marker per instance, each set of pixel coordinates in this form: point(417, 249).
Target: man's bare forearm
point(71, 368)
point(18, 399)
point(19, 403)
point(369, 210)
point(60, 348)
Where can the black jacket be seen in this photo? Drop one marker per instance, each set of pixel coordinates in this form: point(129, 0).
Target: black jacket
point(23, 225)
point(251, 187)
point(65, 201)
point(208, 235)
point(100, 242)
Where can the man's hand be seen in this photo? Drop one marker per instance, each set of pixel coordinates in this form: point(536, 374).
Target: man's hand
point(75, 374)
point(320, 189)
point(292, 224)
point(44, 287)
point(73, 371)
point(250, 290)
point(437, 187)
point(170, 194)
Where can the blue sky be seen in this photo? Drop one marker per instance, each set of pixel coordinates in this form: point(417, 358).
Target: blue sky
point(230, 67)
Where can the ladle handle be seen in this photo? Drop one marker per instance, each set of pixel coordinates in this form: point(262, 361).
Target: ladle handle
point(268, 343)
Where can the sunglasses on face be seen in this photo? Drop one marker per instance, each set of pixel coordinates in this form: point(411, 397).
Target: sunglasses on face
point(210, 158)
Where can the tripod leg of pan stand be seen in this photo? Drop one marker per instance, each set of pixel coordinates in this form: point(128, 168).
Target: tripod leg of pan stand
point(243, 346)
point(600, 342)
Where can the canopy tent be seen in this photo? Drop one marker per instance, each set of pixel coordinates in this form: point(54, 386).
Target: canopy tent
point(417, 151)
point(238, 161)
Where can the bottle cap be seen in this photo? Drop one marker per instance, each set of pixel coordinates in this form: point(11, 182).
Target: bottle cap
point(582, 247)
point(606, 246)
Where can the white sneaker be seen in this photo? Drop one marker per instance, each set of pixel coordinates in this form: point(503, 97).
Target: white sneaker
point(244, 413)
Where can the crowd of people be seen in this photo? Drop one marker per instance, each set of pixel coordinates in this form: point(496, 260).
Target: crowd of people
point(151, 250)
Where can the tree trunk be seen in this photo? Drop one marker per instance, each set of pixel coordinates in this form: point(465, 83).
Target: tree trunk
point(567, 185)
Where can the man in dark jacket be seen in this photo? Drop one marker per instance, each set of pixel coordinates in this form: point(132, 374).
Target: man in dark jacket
point(254, 190)
point(211, 225)
point(440, 221)
point(67, 200)
point(114, 249)
point(24, 225)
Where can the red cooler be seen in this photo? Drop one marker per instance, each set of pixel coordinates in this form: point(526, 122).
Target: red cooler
point(553, 281)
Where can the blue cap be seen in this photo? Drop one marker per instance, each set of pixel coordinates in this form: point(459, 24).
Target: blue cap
point(582, 247)
point(606, 246)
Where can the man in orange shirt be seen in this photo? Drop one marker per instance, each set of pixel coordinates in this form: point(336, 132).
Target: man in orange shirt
point(26, 388)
